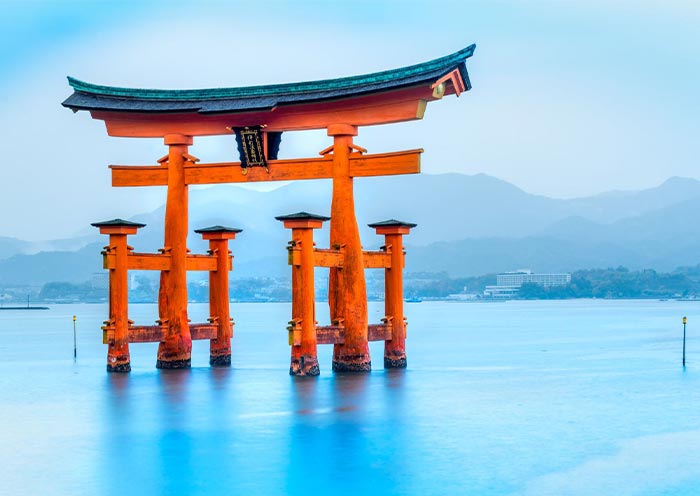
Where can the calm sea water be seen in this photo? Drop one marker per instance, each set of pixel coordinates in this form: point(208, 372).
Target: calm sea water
point(566, 397)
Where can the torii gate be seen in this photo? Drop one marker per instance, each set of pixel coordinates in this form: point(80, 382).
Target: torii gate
point(258, 115)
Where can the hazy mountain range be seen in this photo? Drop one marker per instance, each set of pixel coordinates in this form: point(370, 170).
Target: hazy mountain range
point(467, 225)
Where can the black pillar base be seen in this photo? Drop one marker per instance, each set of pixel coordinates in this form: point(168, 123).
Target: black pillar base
point(119, 368)
point(394, 363)
point(220, 361)
point(307, 365)
point(352, 363)
point(174, 364)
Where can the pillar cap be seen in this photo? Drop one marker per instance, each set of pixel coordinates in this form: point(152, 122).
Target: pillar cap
point(214, 233)
point(303, 216)
point(118, 223)
point(218, 229)
point(118, 226)
point(392, 223)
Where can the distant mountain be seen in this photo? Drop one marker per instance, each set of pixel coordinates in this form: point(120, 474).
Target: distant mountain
point(467, 225)
point(471, 257)
point(662, 239)
point(11, 246)
point(612, 206)
point(67, 266)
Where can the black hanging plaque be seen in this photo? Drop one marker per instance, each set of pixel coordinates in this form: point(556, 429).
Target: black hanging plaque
point(250, 146)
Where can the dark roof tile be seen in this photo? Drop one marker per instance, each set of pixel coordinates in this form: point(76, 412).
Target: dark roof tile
point(88, 96)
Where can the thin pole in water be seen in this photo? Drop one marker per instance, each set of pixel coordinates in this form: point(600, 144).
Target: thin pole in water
point(75, 342)
point(685, 320)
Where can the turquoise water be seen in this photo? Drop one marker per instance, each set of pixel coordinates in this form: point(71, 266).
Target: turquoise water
point(562, 397)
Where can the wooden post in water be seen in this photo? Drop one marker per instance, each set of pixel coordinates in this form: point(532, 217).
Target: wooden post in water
point(219, 310)
point(395, 348)
point(347, 292)
point(118, 359)
point(304, 361)
point(175, 352)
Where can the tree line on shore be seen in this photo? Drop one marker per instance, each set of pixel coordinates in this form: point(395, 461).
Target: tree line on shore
point(617, 282)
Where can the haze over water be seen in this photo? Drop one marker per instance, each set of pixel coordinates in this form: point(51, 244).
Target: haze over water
point(543, 397)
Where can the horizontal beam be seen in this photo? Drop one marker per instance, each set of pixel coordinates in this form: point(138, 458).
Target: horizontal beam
point(332, 334)
point(379, 332)
point(403, 104)
point(162, 261)
point(335, 334)
point(335, 258)
point(376, 259)
point(207, 263)
point(381, 164)
point(156, 333)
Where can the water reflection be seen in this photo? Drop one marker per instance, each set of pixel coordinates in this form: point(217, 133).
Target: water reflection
point(467, 417)
point(347, 427)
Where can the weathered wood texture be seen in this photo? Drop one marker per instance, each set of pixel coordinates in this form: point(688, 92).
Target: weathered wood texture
point(335, 334)
point(157, 333)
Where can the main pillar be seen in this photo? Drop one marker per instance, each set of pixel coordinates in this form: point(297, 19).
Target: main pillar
point(175, 352)
point(395, 348)
point(347, 294)
point(219, 310)
point(118, 358)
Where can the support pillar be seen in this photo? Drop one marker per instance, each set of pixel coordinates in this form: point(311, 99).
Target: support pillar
point(118, 359)
point(176, 351)
point(347, 292)
point(219, 310)
point(394, 349)
point(304, 361)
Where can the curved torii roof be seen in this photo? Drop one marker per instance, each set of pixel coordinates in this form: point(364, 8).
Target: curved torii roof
point(394, 95)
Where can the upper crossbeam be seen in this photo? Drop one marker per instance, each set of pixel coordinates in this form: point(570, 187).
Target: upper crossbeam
point(381, 164)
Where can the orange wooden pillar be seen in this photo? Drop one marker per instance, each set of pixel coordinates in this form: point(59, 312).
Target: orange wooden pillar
point(118, 359)
point(394, 349)
point(304, 354)
point(175, 352)
point(347, 294)
point(219, 310)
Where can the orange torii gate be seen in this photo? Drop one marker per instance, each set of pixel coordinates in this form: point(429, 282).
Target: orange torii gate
point(258, 116)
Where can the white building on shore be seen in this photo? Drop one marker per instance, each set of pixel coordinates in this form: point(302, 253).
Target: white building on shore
point(508, 283)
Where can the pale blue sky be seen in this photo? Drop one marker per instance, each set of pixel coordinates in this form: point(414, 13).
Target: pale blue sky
point(570, 98)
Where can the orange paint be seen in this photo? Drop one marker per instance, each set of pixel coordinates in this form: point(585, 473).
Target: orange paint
point(304, 360)
point(380, 164)
point(175, 351)
point(117, 328)
point(219, 309)
point(347, 295)
point(395, 347)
